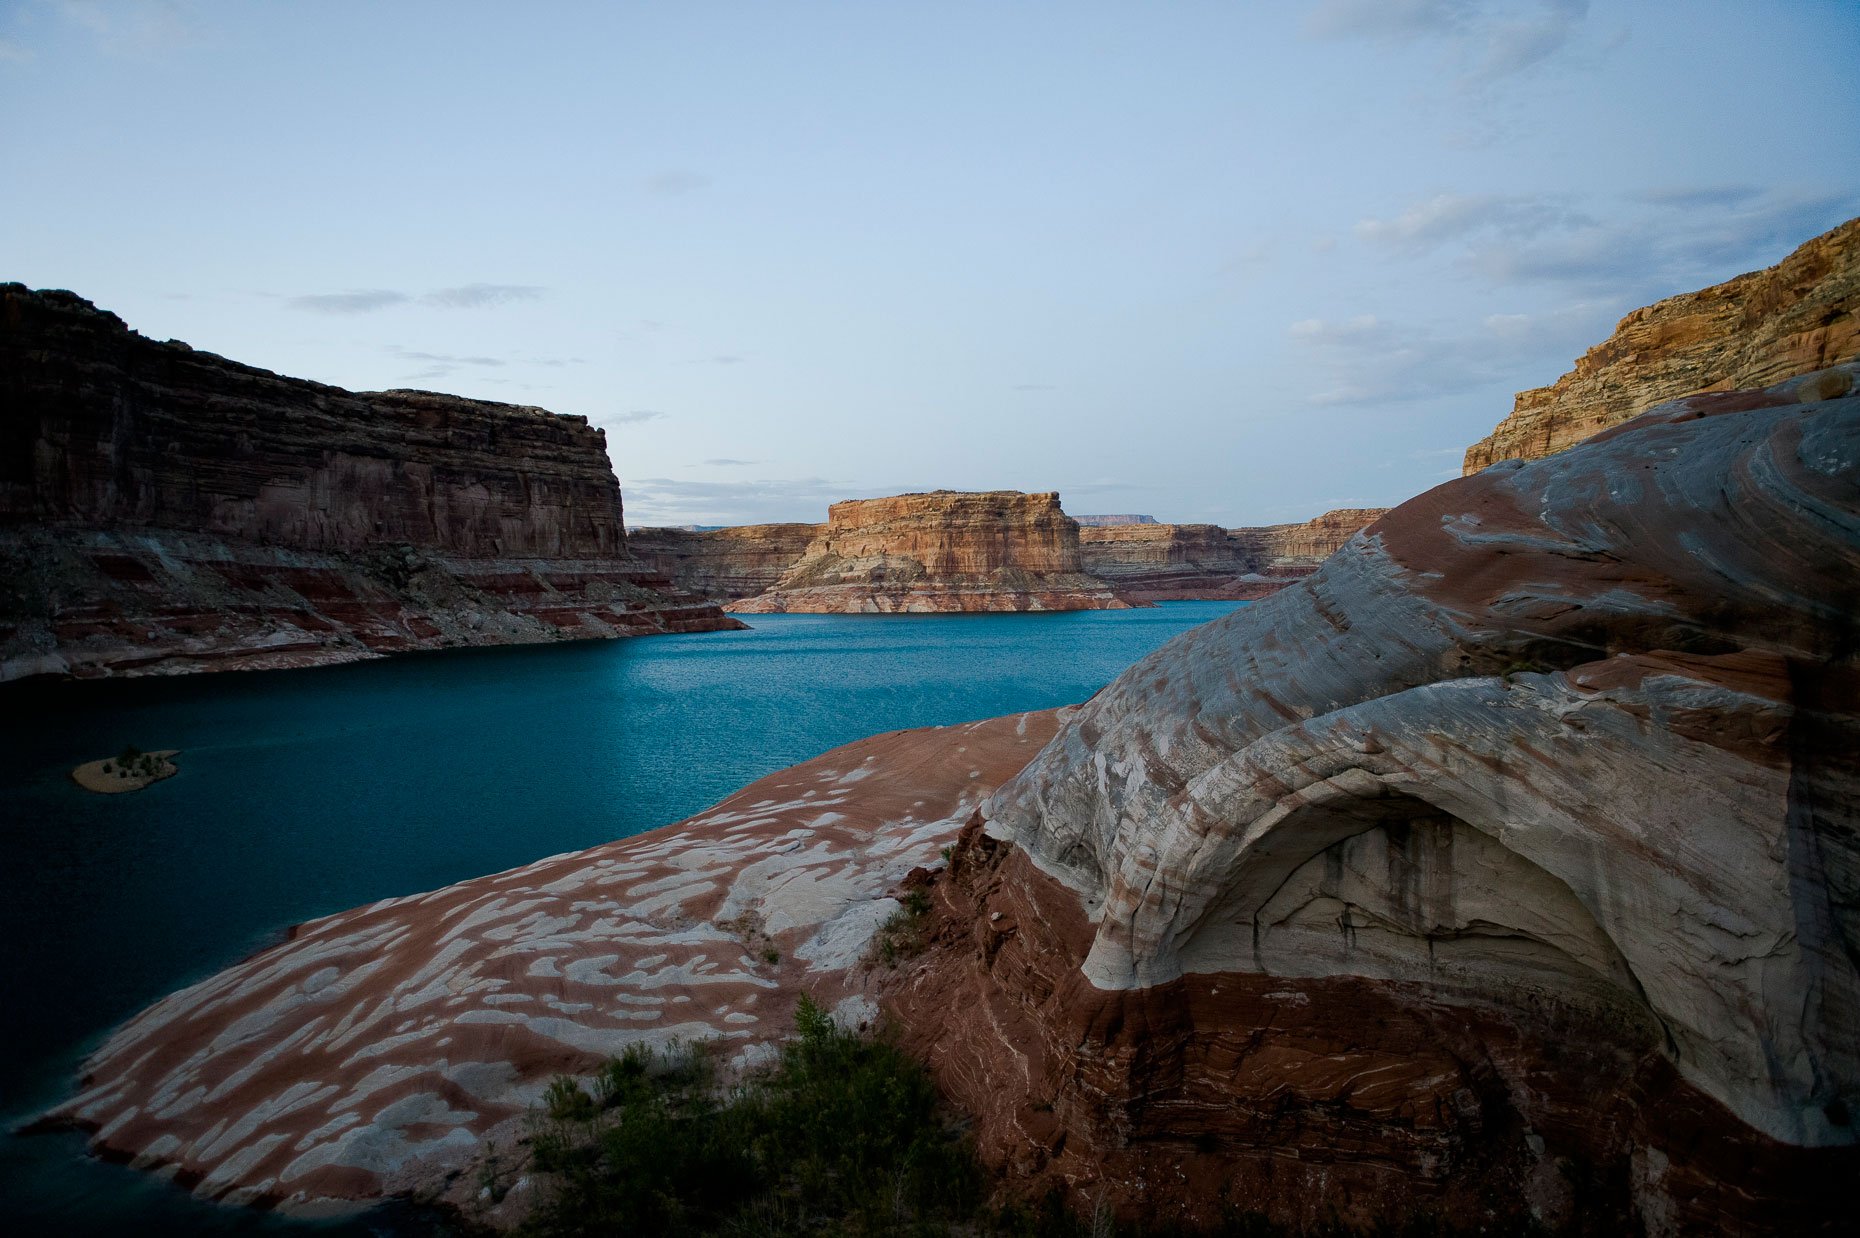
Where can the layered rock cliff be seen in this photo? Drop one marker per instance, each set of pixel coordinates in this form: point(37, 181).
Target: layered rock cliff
point(724, 564)
point(165, 509)
point(1800, 315)
point(1503, 870)
point(1509, 863)
point(944, 551)
point(1157, 562)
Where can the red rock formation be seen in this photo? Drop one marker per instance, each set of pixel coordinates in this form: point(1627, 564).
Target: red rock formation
point(1508, 864)
point(1157, 562)
point(1802, 314)
point(724, 564)
point(167, 509)
point(945, 551)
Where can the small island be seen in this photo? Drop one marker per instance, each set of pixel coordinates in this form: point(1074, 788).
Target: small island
point(129, 770)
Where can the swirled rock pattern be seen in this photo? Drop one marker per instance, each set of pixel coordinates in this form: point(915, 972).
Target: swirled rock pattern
point(387, 1048)
point(1511, 861)
point(1801, 315)
point(163, 509)
point(944, 551)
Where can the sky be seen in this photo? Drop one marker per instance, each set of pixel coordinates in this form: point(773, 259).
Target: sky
point(1224, 262)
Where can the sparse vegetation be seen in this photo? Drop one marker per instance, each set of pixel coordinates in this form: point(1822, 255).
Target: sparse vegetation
point(841, 1135)
point(902, 935)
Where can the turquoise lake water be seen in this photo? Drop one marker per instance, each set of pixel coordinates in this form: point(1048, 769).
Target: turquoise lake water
point(305, 792)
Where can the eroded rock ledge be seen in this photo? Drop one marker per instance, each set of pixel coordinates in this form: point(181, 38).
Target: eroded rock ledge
point(1511, 861)
point(944, 551)
point(1801, 315)
point(163, 510)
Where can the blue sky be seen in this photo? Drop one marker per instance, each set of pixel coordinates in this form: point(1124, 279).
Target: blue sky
point(1211, 261)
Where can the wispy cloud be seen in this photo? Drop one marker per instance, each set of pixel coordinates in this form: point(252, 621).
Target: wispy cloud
point(673, 501)
point(359, 301)
point(1034, 387)
point(1641, 247)
point(477, 296)
point(367, 300)
point(725, 461)
point(440, 358)
point(719, 359)
point(134, 29)
point(1369, 360)
point(634, 417)
point(1485, 39)
point(1447, 217)
point(675, 182)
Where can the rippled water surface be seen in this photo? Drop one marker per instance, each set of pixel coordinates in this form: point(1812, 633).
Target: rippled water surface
point(305, 792)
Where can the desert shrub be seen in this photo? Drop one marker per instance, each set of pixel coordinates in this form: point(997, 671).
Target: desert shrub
point(902, 934)
point(841, 1134)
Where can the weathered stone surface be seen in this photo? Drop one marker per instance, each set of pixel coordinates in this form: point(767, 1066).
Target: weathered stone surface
point(1157, 562)
point(1512, 860)
point(943, 551)
point(164, 509)
point(1801, 315)
point(724, 564)
point(378, 1049)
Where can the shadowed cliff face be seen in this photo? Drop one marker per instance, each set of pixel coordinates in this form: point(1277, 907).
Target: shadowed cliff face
point(162, 508)
point(946, 551)
point(1799, 316)
point(1511, 855)
point(736, 562)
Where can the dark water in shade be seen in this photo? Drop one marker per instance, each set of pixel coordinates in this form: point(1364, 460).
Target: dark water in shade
point(305, 792)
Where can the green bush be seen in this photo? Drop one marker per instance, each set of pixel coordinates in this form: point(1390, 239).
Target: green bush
point(841, 1134)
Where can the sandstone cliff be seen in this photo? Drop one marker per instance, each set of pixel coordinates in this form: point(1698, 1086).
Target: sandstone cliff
point(1157, 562)
point(945, 551)
point(728, 563)
point(1800, 315)
point(164, 509)
point(1506, 865)
point(1508, 861)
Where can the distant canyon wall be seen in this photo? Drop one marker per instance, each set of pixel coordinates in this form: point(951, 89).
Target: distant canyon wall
point(165, 509)
point(729, 563)
point(1801, 315)
point(1140, 560)
point(943, 551)
point(1157, 562)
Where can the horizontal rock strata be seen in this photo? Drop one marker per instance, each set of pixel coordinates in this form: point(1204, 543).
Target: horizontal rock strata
point(1508, 864)
point(385, 1049)
point(1158, 562)
point(724, 564)
point(1801, 315)
point(945, 551)
point(165, 509)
